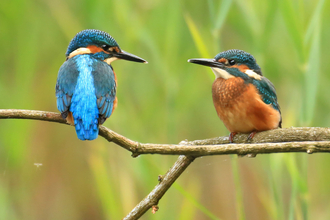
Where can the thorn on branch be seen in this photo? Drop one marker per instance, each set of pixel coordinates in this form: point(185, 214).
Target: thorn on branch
point(184, 142)
point(160, 178)
point(135, 155)
point(154, 209)
point(251, 155)
point(310, 151)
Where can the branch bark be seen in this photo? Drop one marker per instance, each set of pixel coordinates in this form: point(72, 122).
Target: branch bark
point(309, 140)
point(165, 182)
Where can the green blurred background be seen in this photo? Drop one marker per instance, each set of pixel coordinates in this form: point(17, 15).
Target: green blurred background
point(166, 101)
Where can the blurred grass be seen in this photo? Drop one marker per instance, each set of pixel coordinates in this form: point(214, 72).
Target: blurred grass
point(166, 101)
point(239, 195)
point(196, 203)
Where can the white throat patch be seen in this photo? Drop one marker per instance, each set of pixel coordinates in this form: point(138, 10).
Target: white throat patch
point(84, 50)
point(220, 73)
point(81, 50)
point(253, 74)
point(110, 60)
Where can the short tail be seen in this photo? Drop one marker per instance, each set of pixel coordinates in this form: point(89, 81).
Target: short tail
point(86, 131)
point(86, 123)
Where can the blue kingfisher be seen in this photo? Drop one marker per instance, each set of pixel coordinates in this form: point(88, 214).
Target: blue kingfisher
point(86, 83)
point(244, 99)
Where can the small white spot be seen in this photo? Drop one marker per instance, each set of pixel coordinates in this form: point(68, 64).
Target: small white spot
point(37, 164)
point(253, 74)
point(251, 155)
point(79, 51)
point(309, 151)
point(220, 73)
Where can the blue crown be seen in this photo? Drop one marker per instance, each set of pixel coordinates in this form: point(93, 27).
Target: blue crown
point(90, 37)
point(241, 57)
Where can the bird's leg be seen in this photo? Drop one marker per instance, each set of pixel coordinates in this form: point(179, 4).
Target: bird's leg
point(101, 120)
point(231, 136)
point(251, 135)
point(65, 114)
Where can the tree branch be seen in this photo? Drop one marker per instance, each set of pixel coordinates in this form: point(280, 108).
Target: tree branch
point(165, 182)
point(310, 140)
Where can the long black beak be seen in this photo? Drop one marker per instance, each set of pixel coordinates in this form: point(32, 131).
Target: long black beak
point(128, 56)
point(207, 62)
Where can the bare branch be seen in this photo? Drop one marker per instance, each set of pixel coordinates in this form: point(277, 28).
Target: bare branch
point(321, 143)
point(165, 182)
point(310, 140)
point(31, 114)
point(109, 135)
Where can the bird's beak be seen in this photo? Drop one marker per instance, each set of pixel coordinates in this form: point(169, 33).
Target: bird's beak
point(207, 62)
point(128, 56)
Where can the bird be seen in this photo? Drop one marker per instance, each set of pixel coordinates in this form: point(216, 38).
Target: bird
point(86, 82)
point(244, 99)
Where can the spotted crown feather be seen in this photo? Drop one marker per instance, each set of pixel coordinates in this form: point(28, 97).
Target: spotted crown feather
point(241, 57)
point(91, 37)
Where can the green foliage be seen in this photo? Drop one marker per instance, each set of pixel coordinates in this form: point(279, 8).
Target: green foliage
point(166, 101)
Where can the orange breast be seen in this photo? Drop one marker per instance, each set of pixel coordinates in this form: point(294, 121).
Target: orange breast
point(116, 100)
point(241, 108)
point(69, 119)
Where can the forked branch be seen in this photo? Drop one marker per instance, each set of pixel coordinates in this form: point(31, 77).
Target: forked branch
point(308, 140)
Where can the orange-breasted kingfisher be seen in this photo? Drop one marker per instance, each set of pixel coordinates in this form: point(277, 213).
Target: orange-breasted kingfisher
point(244, 99)
point(86, 83)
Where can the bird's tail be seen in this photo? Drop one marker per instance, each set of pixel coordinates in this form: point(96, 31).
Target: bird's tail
point(86, 131)
point(85, 115)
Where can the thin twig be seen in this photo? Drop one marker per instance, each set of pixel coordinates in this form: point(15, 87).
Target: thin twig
point(165, 182)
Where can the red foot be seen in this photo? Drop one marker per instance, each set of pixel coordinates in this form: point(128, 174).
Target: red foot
point(250, 137)
point(231, 136)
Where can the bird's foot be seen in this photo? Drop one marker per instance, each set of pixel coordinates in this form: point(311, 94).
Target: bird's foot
point(251, 135)
point(64, 114)
point(101, 120)
point(231, 136)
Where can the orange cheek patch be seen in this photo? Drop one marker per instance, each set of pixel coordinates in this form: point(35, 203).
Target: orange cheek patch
point(95, 49)
point(222, 60)
point(116, 49)
point(241, 67)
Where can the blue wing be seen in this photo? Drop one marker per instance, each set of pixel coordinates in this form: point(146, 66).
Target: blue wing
point(104, 82)
point(268, 93)
point(105, 89)
point(65, 85)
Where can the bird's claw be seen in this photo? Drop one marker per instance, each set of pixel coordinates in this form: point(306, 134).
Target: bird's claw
point(231, 137)
point(251, 136)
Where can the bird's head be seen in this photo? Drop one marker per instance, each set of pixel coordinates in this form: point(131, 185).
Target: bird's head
point(232, 63)
point(101, 45)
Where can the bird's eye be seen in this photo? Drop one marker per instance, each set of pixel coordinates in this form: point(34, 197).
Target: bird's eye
point(232, 62)
point(105, 47)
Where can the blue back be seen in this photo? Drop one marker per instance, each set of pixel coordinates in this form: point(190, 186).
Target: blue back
point(86, 87)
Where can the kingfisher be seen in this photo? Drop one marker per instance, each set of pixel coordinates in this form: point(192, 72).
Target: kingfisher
point(244, 99)
point(86, 82)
